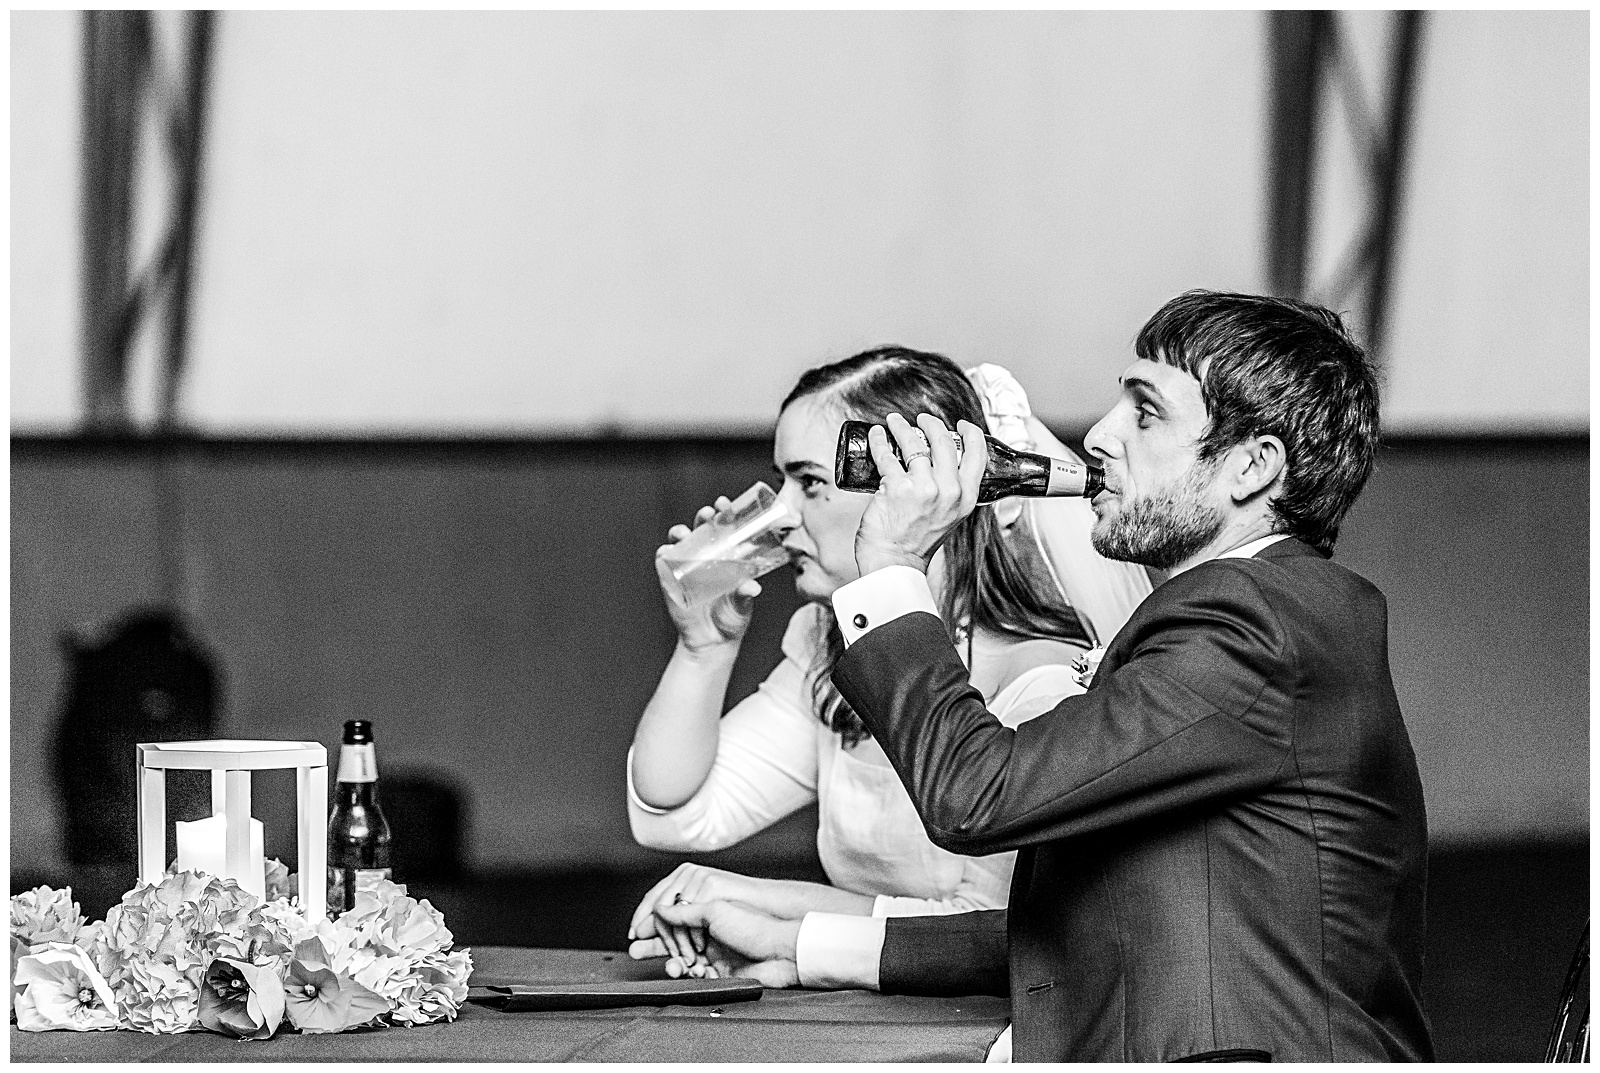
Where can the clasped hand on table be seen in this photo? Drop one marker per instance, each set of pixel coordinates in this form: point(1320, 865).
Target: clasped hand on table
point(712, 923)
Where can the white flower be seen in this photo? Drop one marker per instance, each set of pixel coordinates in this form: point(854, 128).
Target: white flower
point(339, 941)
point(281, 883)
point(387, 976)
point(45, 915)
point(156, 997)
point(1087, 664)
point(435, 991)
point(392, 922)
point(61, 988)
point(287, 921)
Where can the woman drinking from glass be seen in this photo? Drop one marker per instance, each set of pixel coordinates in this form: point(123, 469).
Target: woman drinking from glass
point(700, 781)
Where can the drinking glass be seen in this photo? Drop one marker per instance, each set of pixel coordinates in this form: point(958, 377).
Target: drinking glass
point(744, 541)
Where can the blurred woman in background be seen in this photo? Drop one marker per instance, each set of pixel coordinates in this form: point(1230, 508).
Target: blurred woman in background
point(700, 781)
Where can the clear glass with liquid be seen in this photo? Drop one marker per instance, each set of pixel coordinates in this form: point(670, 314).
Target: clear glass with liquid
point(744, 541)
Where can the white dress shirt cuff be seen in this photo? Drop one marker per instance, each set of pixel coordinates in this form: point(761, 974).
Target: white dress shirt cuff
point(835, 951)
point(1000, 1049)
point(881, 596)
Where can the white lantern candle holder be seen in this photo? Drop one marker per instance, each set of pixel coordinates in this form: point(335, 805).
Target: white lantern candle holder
point(230, 762)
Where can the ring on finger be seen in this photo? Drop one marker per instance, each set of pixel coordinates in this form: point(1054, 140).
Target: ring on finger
point(920, 454)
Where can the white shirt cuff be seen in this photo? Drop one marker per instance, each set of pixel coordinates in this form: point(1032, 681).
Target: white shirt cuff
point(1000, 1049)
point(633, 795)
point(881, 596)
point(834, 951)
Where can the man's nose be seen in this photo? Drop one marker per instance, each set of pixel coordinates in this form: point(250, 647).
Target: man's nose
point(1099, 442)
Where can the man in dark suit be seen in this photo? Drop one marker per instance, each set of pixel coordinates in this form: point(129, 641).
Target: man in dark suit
point(1222, 844)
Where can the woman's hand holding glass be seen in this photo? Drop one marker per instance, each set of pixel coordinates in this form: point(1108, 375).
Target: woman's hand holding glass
point(722, 621)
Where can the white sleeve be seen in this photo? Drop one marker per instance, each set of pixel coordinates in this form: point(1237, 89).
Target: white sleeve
point(766, 764)
point(881, 596)
point(1038, 691)
point(986, 881)
point(1000, 1049)
point(985, 884)
point(834, 951)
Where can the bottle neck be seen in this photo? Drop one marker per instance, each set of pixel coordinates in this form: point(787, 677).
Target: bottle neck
point(1069, 478)
point(360, 794)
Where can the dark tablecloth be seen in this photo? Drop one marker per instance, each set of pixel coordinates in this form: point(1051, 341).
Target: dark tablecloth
point(782, 1026)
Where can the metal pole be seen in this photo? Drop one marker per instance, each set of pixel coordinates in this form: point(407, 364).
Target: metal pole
point(115, 47)
point(188, 136)
point(1296, 40)
point(1390, 171)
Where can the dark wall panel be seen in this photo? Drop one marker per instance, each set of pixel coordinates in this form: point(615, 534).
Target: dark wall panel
point(492, 608)
point(1483, 550)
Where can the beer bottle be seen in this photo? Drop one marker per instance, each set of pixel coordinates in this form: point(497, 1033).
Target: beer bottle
point(358, 835)
point(1010, 472)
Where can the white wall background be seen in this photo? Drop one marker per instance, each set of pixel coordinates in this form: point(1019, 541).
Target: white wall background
point(548, 221)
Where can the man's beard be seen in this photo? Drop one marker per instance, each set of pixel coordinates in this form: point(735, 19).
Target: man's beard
point(1163, 529)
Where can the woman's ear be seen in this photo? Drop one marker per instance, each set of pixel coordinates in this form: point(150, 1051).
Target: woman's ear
point(1255, 466)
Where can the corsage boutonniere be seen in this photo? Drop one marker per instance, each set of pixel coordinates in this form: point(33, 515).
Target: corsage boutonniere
point(1086, 664)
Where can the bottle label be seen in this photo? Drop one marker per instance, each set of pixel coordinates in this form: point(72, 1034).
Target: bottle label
point(369, 878)
point(358, 763)
point(345, 883)
point(1066, 478)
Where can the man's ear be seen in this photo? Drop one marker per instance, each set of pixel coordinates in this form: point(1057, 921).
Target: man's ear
point(1255, 466)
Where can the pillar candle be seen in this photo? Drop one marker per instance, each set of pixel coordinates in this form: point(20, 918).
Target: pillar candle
point(201, 849)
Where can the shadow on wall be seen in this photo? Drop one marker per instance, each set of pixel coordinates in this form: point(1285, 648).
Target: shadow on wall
point(146, 679)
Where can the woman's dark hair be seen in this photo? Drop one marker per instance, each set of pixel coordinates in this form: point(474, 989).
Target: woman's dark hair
point(985, 584)
point(1275, 366)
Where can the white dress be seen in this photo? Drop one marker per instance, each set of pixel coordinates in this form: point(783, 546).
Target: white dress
point(774, 756)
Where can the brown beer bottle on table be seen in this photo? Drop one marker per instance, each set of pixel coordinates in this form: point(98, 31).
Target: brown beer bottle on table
point(1009, 472)
point(358, 835)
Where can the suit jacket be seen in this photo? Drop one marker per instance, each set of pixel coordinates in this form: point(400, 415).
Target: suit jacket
point(1223, 842)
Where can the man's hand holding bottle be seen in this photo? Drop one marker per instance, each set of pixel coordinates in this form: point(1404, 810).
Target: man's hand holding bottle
point(917, 504)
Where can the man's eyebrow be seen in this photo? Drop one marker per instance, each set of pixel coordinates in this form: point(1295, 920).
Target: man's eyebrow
point(800, 466)
point(1140, 383)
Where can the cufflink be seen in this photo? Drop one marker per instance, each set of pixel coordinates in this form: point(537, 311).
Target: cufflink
point(860, 622)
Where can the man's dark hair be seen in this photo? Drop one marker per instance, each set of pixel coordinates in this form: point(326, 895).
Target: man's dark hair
point(1283, 368)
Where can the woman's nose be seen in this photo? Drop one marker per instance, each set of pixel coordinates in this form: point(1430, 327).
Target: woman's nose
point(791, 511)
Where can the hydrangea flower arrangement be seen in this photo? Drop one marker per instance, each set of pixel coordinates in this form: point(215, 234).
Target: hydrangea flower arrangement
point(196, 952)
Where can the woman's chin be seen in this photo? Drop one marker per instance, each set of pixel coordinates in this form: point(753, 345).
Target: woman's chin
point(812, 584)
